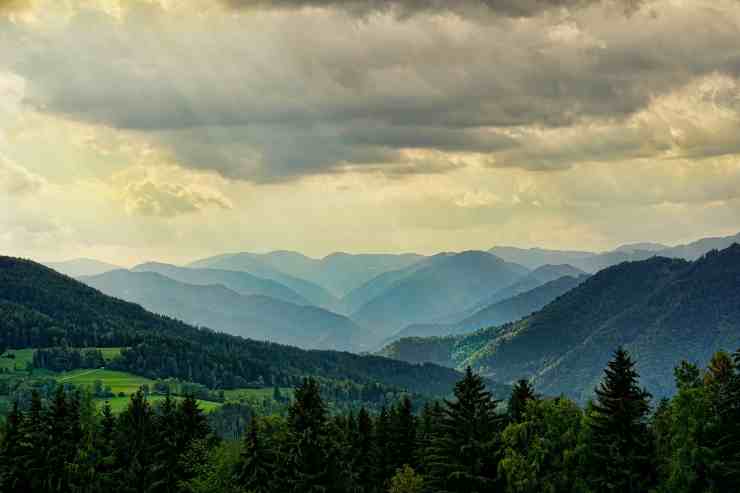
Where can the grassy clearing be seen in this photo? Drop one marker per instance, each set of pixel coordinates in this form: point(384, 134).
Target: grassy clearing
point(23, 357)
point(120, 381)
point(117, 380)
point(236, 395)
point(119, 404)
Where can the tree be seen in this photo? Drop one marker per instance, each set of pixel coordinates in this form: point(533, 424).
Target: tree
point(539, 453)
point(313, 465)
point(621, 441)
point(13, 474)
point(462, 455)
point(728, 443)
point(521, 394)
point(406, 481)
point(256, 468)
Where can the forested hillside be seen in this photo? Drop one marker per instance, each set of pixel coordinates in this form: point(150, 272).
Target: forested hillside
point(256, 317)
point(624, 441)
point(660, 309)
point(42, 308)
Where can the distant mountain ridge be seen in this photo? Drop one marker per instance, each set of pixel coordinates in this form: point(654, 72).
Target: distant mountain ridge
point(81, 267)
point(661, 309)
point(257, 317)
point(241, 282)
point(444, 285)
point(40, 307)
point(339, 272)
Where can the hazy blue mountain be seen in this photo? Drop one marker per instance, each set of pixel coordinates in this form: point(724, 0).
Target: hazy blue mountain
point(537, 257)
point(373, 288)
point(215, 306)
point(442, 287)
point(81, 267)
point(696, 249)
point(241, 282)
point(643, 246)
point(342, 272)
point(339, 273)
point(40, 307)
point(662, 310)
point(498, 313)
point(253, 264)
point(518, 306)
point(534, 279)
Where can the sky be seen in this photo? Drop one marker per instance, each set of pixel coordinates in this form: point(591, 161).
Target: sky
point(177, 129)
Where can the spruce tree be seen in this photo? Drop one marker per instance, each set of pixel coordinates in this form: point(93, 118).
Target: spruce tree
point(521, 394)
point(622, 445)
point(403, 435)
point(728, 443)
point(256, 469)
point(13, 472)
point(313, 464)
point(462, 456)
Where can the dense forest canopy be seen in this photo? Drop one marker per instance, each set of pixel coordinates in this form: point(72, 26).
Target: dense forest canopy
point(471, 442)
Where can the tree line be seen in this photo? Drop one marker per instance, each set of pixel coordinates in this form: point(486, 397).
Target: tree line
point(466, 444)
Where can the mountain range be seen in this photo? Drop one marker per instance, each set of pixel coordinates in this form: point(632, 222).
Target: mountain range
point(40, 307)
point(445, 285)
point(660, 309)
point(364, 302)
point(254, 316)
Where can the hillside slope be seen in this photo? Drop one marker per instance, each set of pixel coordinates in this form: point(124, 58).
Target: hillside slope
point(252, 264)
point(253, 316)
point(662, 310)
point(40, 307)
point(241, 282)
point(443, 287)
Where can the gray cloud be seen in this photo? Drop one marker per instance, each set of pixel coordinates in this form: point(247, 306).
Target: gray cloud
point(149, 198)
point(16, 180)
point(407, 8)
point(279, 94)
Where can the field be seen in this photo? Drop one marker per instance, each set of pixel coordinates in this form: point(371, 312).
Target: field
point(255, 394)
point(23, 357)
point(118, 404)
point(119, 382)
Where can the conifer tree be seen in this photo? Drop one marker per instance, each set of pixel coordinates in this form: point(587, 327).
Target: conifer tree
point(521, 394)
point(313, 464)
point(135, 427)
point(728, 444)
point(621, 441)
point(365, 452)
point(256, 469)
point(403, 433)
point(13, 473)
point(462, 456)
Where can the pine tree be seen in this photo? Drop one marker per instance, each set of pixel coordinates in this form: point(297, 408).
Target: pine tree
point(403, 435)
point(621, 441)
point(133, 444)
point(13, 473)
point(462, 455)
point(365, 452)
point(257, 466)
point(521, 394)
point(728, 444)
point(314, 461)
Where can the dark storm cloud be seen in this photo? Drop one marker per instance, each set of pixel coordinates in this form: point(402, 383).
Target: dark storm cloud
point(280, 95)
point(407, 8)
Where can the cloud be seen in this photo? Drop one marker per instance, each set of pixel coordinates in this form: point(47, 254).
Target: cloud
point(168, 200)
point(407, 8)
point(7, 6)
point(278, 94)
point(16, 180)
point(165, 191)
